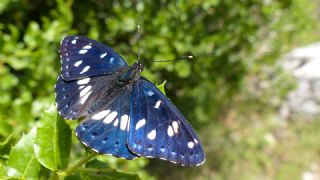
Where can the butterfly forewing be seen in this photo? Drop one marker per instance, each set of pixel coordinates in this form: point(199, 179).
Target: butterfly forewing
point(159, 130)
point(83, 57)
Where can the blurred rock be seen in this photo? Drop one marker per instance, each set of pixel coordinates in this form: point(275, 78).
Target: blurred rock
point(304, 101)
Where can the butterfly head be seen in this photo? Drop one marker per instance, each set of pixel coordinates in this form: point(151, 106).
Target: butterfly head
point(138, 66)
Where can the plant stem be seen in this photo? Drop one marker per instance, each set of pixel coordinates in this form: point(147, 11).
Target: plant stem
point(73, 168)
point(94, 170)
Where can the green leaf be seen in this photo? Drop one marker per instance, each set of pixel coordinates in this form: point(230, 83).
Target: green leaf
point(5, 128)
point(96, 164)
point(105, 173)
point(3, 172)
point(161, 87)
point(53, 141)
point(22, 162)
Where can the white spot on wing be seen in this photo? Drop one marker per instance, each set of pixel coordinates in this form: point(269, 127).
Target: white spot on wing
point(157, 105)
point(111, 60)
point(103, 55)
point(140, 123)
point(84, 98)
point(170, 131)
point(110, 117)
point(85, 91)
point(190, 144)
point(83, 81)
point(100, 115)
point(87, 47)
point(150, 93)
point(78, 63)
point(124, 122)
point(84, 143)
point(128, 126)
point(85, 69)
point(152, 134)
point(95, 150)
point(175, 126)
point(81, 87)
point(196, 141)
point(173, 162)
point(74, 41)
point(116, 122)
point(83, 51)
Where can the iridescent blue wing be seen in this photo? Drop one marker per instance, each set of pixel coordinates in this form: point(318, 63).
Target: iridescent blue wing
point(105, 131)
point(159, 130)
point(83, 57)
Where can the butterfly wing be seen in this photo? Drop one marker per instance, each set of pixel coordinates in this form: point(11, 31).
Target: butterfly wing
point(77, 98)
point(159, 130)
point(83, 57)
point(106, 130)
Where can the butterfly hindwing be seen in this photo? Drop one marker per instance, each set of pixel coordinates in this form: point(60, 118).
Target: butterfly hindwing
point(83, 57)
point(159, 130)
point(106, 131)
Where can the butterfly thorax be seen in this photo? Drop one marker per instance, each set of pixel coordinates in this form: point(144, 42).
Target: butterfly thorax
point(130, 74)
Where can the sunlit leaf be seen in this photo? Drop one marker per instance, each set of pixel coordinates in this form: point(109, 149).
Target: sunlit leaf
point(53, 140)
point(22, 162)
point(3, 172)
point(161, 87)
point(106, 173)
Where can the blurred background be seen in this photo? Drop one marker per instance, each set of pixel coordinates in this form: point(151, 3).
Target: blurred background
point(251, 93)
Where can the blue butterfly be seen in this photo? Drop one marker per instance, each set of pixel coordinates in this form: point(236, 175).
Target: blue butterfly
point(124, 114)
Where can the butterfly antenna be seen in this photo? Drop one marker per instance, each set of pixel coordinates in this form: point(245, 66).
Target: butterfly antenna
point(188, 58)
point(138, 29)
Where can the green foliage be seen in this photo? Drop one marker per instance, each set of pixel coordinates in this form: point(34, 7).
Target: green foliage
point(22, 162)
point(53, 141)
point(104, 172)
point(162, 86)
point(234, 44)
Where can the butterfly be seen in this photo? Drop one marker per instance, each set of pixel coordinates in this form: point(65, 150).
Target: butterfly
point(124, 114)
